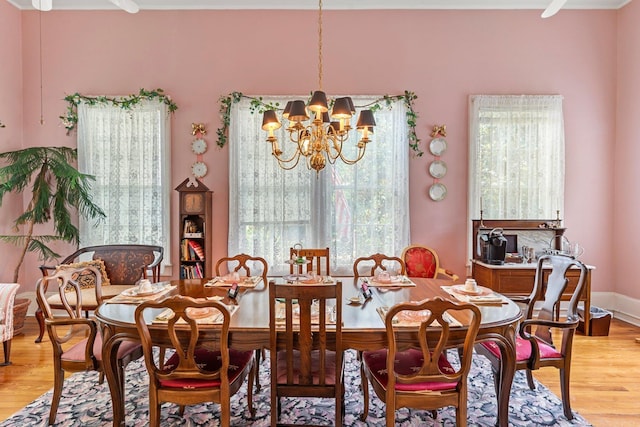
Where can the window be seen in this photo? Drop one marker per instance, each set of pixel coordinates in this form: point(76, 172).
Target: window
point(354, 210)
point(128, 153)
point(516, 157)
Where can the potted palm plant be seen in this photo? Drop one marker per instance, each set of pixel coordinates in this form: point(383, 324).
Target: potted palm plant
point(57, 190)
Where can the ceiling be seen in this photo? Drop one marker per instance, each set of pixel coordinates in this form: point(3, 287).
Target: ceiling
point(327, 4)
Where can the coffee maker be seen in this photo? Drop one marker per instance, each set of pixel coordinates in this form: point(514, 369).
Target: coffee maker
point(492, 247)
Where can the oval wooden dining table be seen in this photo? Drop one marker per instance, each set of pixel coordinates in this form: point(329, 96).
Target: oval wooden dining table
point(363, 328)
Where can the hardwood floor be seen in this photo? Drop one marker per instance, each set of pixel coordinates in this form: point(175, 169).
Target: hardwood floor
point(604, 378)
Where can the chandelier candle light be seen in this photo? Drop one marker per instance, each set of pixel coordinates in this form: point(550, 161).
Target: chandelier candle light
point(323, 139)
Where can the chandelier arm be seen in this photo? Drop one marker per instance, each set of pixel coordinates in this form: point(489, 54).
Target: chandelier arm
point(356, 160)
point(284, 164)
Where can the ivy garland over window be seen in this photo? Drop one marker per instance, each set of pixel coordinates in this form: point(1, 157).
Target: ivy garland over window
point(70, 119)
point(257, 105)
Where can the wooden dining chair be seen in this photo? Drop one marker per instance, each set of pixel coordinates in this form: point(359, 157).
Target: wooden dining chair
point(422, 261)
point(371, 265)
point(534, 343)
point(76, 341)
point(420, 376)
point(305, 323)
point(244, 263)
point(319, 258)
point(203, 368)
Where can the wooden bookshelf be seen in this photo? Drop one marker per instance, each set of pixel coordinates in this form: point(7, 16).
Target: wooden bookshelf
point(195, 248)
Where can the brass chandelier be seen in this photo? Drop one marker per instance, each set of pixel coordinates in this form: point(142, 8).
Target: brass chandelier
point(322, 140)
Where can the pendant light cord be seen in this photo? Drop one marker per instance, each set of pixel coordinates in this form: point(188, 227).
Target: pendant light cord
point(41, 97)
point(320, 44)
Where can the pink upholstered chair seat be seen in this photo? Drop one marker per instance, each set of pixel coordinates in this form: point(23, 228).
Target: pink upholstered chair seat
point(208, 360)
point(330, 362)
point(523, 350)
point(406, 363)
point(75, 353)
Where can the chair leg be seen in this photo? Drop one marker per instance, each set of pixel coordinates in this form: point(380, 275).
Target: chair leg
point(252, 377)
point(530, 382)
point(58, 382)
point(7, 352)
point(564, 388)
point(40, 319)
point(365, 392)
point(259, 356)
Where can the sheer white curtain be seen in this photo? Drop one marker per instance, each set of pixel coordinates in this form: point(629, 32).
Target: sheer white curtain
point(128, 152)
point(516, 156)
point(354, 210)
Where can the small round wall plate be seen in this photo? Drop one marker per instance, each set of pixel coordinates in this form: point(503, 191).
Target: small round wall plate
point(438, 146)
point(198, 146)
point(437, 192)
point(199, 169)
point(438, 169)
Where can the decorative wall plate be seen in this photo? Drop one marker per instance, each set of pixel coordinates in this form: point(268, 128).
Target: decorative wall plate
point(438, 169)
point(199, 169)
point(198, 146)
point(438, 146)
point(437, 192)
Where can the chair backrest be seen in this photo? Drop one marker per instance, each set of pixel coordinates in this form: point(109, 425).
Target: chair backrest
point(187, 312)
point(446, 322)
point(421, 261)
point(304, 327)
point(67, 283)
point(319, 258)
point(7, 298)
point(371, 265)
point(245, 263)
point(66, 328)
point(124, 264)
point(550, 287)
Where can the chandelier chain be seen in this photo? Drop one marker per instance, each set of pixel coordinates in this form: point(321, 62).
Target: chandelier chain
point(320, 44)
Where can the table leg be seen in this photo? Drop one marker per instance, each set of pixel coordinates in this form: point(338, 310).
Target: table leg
point(110, 345)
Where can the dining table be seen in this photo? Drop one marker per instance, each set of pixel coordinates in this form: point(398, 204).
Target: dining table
point(363, 327)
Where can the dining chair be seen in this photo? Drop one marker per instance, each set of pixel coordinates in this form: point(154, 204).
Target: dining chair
point(203, 367)
point(7, 298)
point(319, 258)
point(419, 375)
point(422, 261)
point(244, 263)
point(534, 343)
point(305, 323)
point(373, 264)
point(76, 341)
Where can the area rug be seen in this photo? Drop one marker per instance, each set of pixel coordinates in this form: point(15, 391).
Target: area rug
point(87, 403)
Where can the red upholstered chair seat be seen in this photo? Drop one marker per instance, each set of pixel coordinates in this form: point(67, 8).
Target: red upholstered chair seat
point(208, 360)
point(420, 262)
point(330, 363)
point(406, 363)
point(523, 350)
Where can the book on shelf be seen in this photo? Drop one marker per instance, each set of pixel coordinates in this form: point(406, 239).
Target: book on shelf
point(197, 248)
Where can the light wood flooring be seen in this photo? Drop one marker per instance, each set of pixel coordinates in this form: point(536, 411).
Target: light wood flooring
point(605, 377)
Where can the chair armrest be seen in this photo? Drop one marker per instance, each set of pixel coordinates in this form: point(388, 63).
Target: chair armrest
point(450, 274)
point(45, 269)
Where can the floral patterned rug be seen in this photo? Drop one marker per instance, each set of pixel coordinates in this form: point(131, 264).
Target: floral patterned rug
point(86, 403)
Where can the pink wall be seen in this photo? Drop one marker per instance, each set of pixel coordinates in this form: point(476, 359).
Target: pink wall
point(626, 175)
point(443, 56)
point(11, 115)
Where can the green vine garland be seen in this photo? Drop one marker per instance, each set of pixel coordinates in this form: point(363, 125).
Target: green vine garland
point(258, 105)
point(70, 119)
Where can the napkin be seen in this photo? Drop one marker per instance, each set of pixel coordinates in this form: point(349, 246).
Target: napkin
point(414, 318)
point(488, 299)
point(215, 318)
point(400, 281)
